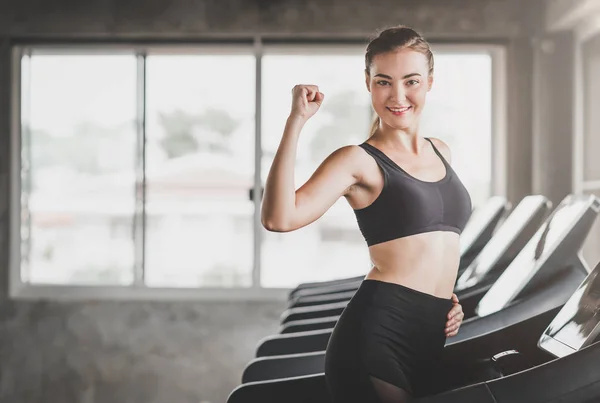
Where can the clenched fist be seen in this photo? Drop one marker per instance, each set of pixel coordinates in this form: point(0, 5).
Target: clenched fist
point(306, 100)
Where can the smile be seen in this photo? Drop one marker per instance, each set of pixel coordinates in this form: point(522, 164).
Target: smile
point(399, 111)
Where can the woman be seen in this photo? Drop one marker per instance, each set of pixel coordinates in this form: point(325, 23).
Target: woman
point(411, 208)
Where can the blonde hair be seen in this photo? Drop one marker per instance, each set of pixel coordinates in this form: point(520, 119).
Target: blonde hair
point(392, 39)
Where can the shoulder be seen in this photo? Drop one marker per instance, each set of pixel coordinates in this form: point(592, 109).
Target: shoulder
point(347, 154)
point(350, 158)
point(442, 148)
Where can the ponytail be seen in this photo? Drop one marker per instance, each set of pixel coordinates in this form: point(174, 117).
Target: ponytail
point(374, 125)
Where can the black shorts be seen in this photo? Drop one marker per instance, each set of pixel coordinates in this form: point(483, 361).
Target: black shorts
point(388, 333)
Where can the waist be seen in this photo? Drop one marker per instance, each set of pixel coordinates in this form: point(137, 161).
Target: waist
point(392, 296)
point(427, 262)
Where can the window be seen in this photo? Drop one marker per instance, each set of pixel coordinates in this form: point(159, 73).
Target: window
point(137, 167)
point(200, 167)
point(78, 168)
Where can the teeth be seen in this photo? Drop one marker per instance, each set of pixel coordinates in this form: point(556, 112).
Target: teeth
point(399, 109)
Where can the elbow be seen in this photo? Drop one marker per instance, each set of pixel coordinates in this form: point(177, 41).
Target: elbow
point(273, 226)
point(275, 221)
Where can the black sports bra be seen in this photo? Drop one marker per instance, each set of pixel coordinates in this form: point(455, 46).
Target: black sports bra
point(408, 206)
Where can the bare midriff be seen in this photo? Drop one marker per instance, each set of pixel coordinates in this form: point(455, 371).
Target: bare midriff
point(426, 262)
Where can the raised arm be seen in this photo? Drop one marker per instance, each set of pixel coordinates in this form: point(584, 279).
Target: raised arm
point(284, 208)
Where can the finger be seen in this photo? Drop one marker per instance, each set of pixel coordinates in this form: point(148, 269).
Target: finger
point(457, 319)
point(306, 92)
point(457, 310)
point(451, 323)
point(319, 96)
point(300, 89)
point(453, 312)
point(454, 298)
point(312, 90)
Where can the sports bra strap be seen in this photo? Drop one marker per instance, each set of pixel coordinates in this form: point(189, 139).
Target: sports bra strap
point(437, 151)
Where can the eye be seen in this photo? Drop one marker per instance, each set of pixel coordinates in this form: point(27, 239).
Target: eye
point(413, 82)
point(382, 82)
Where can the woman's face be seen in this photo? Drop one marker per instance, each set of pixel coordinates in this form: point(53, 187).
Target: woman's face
point(398, 83)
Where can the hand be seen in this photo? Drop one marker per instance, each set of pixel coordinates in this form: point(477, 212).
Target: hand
point(455, 318)
point(306, 100)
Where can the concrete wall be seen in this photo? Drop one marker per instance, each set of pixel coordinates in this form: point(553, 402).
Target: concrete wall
point(106, 352)
point(188, 18)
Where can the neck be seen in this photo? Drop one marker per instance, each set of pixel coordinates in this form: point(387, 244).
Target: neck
point(406, 139)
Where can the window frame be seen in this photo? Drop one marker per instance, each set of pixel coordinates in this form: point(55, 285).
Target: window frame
point(139, 290)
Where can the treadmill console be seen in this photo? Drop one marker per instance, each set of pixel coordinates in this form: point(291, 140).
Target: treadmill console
point(577, 325)
point(479, 220)
point(509, 231)
point(534, 260)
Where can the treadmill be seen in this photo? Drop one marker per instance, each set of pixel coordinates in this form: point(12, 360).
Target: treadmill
point(550, 268)
point(480, 228)
point(475, 236)
point(508, 240)
point(561, 365)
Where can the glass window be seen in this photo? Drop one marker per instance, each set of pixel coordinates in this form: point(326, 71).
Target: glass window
point(200, 169)
point(90, 160)
point(78, 168)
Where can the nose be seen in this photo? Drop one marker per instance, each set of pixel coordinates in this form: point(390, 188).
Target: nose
point(399, 93)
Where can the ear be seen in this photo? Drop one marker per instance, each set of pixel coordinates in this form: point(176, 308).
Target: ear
point(368, 80)
point(429, 82)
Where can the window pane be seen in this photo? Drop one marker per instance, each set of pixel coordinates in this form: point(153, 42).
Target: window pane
point(332, 246)
point(459, 111)
point(200, 168)
point(78, 166)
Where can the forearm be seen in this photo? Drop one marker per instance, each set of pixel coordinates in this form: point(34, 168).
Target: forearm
point(279, 200)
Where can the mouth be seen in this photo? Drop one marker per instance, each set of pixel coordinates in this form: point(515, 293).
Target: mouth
point(399, 111)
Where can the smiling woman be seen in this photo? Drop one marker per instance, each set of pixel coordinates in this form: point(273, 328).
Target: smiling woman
point(411, 207)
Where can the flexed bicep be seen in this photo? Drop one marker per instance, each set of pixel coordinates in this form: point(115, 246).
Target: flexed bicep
point(330, 181)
